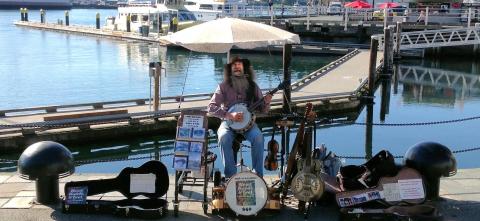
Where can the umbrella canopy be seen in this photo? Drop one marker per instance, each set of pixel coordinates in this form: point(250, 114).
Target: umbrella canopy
point(358, 4)
point(220, 35)
point(388, 5)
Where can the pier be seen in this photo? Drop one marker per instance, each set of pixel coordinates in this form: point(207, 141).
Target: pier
point(460, 201)
point(336, 88)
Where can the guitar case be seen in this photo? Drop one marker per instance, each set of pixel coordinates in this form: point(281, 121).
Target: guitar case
point(149, 180)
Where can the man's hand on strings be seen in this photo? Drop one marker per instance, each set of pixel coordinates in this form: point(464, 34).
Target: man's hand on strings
point(235, 116)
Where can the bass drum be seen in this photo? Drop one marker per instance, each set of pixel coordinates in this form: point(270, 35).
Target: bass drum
point(246, 193)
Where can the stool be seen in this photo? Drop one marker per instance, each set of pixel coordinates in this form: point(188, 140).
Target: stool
point(236, 146)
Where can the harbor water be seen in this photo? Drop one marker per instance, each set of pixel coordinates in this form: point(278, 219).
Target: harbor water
point(48, 68)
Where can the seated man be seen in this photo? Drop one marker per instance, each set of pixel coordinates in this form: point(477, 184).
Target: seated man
point(238, 86)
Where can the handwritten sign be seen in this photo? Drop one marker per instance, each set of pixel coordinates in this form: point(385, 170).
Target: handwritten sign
point(142, 183)
point(193, 121)
point(76, 195)
point(411, 189)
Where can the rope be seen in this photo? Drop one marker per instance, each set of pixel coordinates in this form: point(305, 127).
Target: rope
point(346, 122)
point(185, 80)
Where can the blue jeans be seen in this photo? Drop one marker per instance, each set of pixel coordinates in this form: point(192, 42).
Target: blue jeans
point(225, 142)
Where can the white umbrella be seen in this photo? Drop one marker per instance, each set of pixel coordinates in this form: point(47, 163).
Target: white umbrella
point(220, 35)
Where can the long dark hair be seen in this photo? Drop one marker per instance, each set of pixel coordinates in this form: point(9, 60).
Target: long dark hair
point(248, 71)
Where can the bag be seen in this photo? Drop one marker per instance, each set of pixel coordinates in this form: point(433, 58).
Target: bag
point(367, 175)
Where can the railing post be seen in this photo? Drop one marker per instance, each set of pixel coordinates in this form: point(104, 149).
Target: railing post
point(399, 40)
point(469, 17)
point(372, 68)
point(426, 16)
point(156, 76)
point(345, 28)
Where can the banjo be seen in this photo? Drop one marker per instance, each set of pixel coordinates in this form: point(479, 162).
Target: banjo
point(248, 115)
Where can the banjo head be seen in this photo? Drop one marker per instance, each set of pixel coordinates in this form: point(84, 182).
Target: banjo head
point(248, 118)
point(246, 193)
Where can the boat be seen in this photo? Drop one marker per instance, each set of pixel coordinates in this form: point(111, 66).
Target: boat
point(207, 10)
point(146, 13)
point(36, 4)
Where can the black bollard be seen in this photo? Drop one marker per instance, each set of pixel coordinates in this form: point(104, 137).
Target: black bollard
point(42, 16)
point(67, 18)
point(98, 20)
point(26, 14)
point(22, 14)
point(128, 23)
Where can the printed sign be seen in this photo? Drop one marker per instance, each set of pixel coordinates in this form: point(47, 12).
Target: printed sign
point(142, 183)
point(76, 195)
point(411, 189)
point(391, 192)
point(245, 190)
point(192, 121)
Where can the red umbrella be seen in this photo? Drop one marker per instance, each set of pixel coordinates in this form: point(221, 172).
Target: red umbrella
point(358, 4)
point(388, 5)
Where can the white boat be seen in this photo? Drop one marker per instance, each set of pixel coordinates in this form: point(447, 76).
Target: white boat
point(145, 13)
point(207, 10)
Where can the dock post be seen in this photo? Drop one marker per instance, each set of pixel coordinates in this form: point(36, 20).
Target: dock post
point(42, 16)
point(396, 72)
point(128, 23)
point(398, 40)
point(369, 131)
point(67, 18)
point(26, 14)
point(476, 47)
point(345, 25)
point(97, 20)
point(308, 15)
point(287, 58)
point(426, 17)
point(469, 19)
point(386, 48)
point(372, 68)
point(385, 99)
point(156, 95)
point(160, 30)
point(22, 14)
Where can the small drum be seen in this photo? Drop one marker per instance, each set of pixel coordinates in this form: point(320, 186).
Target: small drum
point(246, 193)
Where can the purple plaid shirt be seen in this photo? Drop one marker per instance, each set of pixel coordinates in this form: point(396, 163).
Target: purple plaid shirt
point(225, 96)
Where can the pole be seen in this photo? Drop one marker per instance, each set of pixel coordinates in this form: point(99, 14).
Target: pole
point(385, 17)
point(345, 19)
point(386, 49)
point(156, 95)
point(67, 18)
point(26, 14)
point(385, 99)
point(22, 14)
point(469, 17)
point(128, 23)
point(426, 17)
point(372, 68)
point(399, 40)
point(287, 58)
point(369, 131)
point(308, 15)
point(98, 20)
point(42, 16)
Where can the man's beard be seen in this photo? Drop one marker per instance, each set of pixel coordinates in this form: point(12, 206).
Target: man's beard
point(240, 83)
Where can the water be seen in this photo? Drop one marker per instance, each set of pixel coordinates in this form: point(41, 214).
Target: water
point(45, 68)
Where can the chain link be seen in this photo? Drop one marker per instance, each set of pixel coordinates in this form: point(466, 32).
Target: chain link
point(210, 147)
point(346, 122)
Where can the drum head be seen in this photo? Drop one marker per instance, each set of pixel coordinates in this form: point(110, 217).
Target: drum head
point(246, 193)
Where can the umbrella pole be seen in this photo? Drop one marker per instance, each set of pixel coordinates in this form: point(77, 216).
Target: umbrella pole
point(287, 58)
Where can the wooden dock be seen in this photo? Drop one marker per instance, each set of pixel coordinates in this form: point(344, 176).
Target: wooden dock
point(335, 88)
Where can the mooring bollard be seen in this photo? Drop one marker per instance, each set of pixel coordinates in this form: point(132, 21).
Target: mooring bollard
point(98, 20)
point(398, 40)
point(67, 18)
point(42, 16)
point(26, 14)
point(128, 23)
point(22, 14)
point(386, 49)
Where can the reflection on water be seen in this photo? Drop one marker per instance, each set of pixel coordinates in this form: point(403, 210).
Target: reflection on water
point(407, 98)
